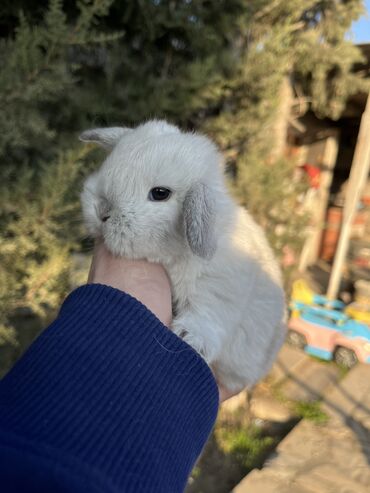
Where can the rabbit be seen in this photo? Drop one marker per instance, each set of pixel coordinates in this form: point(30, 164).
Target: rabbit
point(161, 195)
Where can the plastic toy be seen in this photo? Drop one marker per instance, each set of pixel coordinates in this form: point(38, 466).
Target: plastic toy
point(302, 293)
point(329, 334)
point(359, 312)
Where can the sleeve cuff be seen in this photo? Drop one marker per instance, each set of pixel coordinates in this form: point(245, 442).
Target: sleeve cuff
point(110, 388)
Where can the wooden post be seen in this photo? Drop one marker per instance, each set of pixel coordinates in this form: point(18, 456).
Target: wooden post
point(281, 124)
point(357, 180)
point(319, 201)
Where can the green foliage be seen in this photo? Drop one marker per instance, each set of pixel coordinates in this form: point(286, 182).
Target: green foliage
point(311, 411)
point(37, 76)
point(305, 42)
point(39, 229)
point(271, 194)
point(217, 66)
point(39, 176)
point(7, 335)
point(247, 446)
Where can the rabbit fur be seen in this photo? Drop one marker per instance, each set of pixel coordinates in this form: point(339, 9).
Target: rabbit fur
point(228, 300)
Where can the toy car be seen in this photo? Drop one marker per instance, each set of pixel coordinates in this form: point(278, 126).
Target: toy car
point(359, 311)
point(302, 293)
point(329, 334)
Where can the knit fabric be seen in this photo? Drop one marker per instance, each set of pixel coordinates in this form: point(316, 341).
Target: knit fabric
point(107, 399)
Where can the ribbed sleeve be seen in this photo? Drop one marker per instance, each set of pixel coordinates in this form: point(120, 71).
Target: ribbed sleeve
point(107, 399)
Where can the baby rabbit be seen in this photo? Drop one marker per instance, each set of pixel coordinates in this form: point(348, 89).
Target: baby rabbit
point(160, 195)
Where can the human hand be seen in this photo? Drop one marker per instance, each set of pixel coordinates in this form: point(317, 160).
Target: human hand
point(146, 281)
point(226, 393)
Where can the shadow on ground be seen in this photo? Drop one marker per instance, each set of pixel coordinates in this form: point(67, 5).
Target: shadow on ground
point(221, 468)
point(350, 407)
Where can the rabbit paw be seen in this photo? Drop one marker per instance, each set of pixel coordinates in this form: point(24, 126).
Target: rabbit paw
point(197, 342)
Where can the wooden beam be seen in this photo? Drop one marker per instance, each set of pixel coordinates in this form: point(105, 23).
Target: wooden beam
point(281, 123)
point(319, 199)
point(357, 180)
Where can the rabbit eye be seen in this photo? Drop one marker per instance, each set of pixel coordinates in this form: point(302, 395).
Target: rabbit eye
point(159, 193)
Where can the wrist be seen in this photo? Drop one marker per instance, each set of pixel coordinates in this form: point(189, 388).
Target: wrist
point(145, 281)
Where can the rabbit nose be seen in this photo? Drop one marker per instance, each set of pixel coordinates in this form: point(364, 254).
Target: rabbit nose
point(105, 218)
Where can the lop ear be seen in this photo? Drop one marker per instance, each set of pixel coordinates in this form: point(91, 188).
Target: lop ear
point(105, 137)
point(199, 220)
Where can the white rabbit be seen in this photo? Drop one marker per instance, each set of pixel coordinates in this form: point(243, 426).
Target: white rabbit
point(160, 195)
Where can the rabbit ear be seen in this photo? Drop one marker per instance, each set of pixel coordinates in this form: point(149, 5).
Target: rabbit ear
point(105, 137)
point(199, 220)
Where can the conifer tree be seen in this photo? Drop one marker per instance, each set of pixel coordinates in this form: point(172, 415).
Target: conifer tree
point(214, 66)
point(304, 42)
point(38, 174)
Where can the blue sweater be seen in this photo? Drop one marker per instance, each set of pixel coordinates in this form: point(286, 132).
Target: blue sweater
point(106, 400)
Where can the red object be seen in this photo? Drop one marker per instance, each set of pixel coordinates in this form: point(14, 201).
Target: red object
point(331, 232)
point(313, 174)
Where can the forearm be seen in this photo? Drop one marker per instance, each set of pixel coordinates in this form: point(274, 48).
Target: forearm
point(106, 399)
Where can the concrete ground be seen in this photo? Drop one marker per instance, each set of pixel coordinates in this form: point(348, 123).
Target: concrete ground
point(332, 457)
